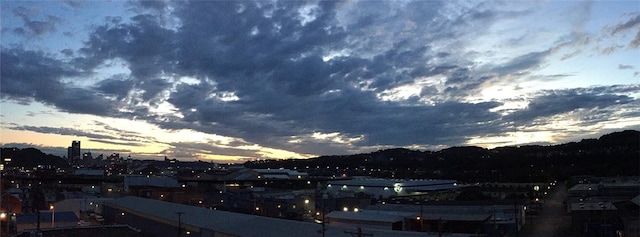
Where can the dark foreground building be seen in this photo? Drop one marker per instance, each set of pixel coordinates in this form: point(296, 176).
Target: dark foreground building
point(92, 231)
point(160, 218)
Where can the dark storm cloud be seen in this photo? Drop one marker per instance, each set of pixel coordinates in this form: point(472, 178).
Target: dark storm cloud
point(558, 102)
point(34, 75)
point(266, 72)
point(117, 85)
point(271, 57)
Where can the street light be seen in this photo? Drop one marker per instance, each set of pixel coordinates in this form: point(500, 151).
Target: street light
point(53, 216)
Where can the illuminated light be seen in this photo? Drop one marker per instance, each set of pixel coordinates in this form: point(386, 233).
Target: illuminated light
point(361, 187)
point(299, 177)
point(188, 232)
point(3, 215)
point(317, 213)
point(417, 217)
point(122, 213)
point(345, 209)
point(344, 186)
point(279, 206)
point(257, 208)
point(51, 207)
point(328, 185)
point(386, 188)
point(306, 201)
point(308, 182)
point(109, 189)
point(355, 209)
point(397, 187)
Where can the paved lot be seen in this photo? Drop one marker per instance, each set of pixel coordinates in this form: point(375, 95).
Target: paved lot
point(553, 220)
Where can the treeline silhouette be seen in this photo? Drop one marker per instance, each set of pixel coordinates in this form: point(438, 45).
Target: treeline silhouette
point(615, 154)
point(32, 157)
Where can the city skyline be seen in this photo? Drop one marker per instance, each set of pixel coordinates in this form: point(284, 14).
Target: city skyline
point(234, 80)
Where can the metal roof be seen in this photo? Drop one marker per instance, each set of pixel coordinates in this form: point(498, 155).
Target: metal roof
point(234, 223)
point(373, 216)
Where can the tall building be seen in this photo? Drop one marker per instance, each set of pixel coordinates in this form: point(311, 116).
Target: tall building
point(73, 152)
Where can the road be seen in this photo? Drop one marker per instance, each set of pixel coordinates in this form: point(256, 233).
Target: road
point(553, 220)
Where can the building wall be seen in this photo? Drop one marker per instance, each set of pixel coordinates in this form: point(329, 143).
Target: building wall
point(11, 204)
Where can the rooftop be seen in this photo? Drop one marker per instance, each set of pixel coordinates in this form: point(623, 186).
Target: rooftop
point(232, 223)
point(94, 231)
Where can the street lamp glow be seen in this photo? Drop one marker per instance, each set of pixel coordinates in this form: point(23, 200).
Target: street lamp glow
point(53, 216)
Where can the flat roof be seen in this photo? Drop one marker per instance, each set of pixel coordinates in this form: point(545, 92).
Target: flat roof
point(593, 206)
point(420, 185)
point(373, 216)
point(234, 223)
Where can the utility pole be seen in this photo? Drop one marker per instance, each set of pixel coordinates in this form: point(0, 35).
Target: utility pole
point(179, 223)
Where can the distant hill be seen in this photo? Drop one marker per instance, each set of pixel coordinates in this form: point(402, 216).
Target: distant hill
point(31, 157)
point(615, 154)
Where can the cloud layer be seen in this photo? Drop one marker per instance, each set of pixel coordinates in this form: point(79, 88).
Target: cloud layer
point(325, 77)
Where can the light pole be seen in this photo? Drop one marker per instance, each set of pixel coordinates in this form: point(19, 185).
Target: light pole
point(179, 223)
point(324, 198)
point(53, 216)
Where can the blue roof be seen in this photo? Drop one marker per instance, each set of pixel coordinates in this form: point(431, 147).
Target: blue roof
point(66, 216)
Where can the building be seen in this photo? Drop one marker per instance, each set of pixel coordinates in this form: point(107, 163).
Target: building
point(629, 213)
point(466, 217)
point(594, 219)
point(73, 153)
point(386, 188)
point(145, 215)
point(48, 219)
point(93, 231)
point(267, 174)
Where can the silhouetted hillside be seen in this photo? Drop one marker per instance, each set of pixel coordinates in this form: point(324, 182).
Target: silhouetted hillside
point(614, 154)
point(31, 157)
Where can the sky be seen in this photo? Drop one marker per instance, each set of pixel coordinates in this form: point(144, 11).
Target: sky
point(231, 81)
